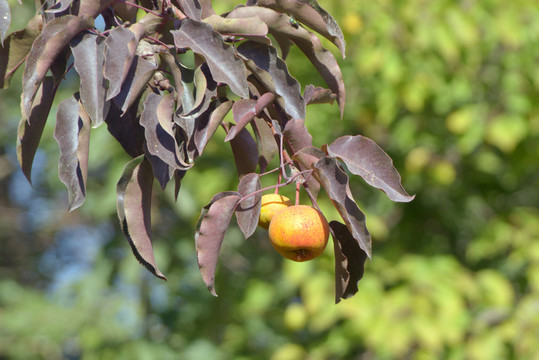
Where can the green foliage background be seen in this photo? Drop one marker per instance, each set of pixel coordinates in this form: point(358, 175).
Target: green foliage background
point(448, 88)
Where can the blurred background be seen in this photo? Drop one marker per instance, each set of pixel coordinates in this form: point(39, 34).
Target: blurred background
point(450, 89)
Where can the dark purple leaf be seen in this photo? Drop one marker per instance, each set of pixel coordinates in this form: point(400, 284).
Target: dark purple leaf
point(191, 8)
point(272, 72)
point(224, 65)
point(30, 130)
point(349, 261)
point(364, 158)
point(139, 75)
point(245, 152)
point(308, 43)
point(16, 46)
point(335, 183)
point(211, 228)
point(318, 95)
point(178, 176)
point(88, 53)
point(126, 129)
point(60, 6)
point(311, 14)
point(134, 195)
point(55, 36)
point(72, 132)
point(266, 144)
point(244, 110)
point(161, 148)
point(93, 8)
point(206, 126)
point(296, 134)
point(248, 211)
point(5, 16)
point(121, 46)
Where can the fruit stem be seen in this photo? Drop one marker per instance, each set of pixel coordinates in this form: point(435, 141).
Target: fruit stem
point(297, 193)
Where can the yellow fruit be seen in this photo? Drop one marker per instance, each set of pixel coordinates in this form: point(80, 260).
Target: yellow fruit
point(299, 232)
point(271, 204)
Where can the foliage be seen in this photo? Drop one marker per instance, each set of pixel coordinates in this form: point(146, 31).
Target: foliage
point(447, 88)
point(135, 77)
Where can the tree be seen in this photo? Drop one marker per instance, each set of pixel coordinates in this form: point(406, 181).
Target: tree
point(163, 75)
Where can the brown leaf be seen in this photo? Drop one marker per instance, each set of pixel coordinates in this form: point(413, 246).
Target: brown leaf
point(30, 130)
point(121, 46)
point(248, 211)
point(349, 261)
point(211, 228)
point(297, 136)
point(335, 183)
point(223, 63)
point(245, 152)
point(364, 158)
point(134, 194)
point(55, 36)
point(244, 110)
point(72, 132)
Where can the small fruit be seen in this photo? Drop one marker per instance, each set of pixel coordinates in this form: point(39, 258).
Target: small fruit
point(271, 204)
point(299, 232)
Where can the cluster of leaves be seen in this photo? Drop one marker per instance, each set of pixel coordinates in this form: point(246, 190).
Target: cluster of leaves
point(163, 75)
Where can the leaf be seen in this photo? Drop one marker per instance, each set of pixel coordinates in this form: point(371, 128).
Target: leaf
point(245, 27)
point(30, 130)
point(364, 158)
point(191, 8)
point(318, 95)
point(310, 13)
point(349, 261)
point(335, 183)
point(248, 211)
point(210, 232)
point(275, 76)
point(265, 141)
point(206, 126)
point(224, 65)
point(296, 134)
point(139, 75)
point(121, 46)
point(16, 47)
point(308, 43)
point(55, 36)
point(305, 159)
point(5, 16)
point(161, 148)
point(126, 129)
point(134, 193)
point(72, 132)
point(88, 53)
point(245, 152)
point(59, 6)
point(244, 110)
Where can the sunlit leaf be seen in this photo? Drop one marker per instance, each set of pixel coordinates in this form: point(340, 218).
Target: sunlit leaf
point(16, 47)
point(206, 126)
point(335, 183)
point(265, 141)
point(252, 27)
point(72, 132)
point(5, 17)
point(248, 211)
point(297, 136)
point(134, 194)
point(136, 82)
point(121, 45)
point(318, 95)
point(88, 53)
point(244, 110)
point(55, 36)
point(364, 158)
point(211, 228)
point(191, 8)
point(349, 261)
point(310, 13)
point(224, 65)
point(274, 76)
